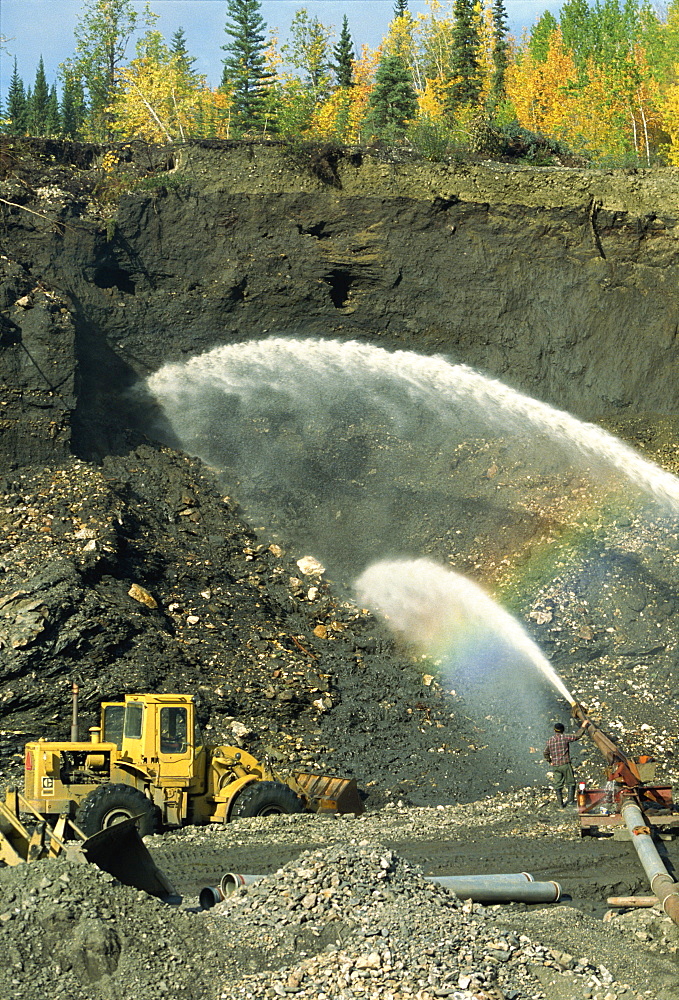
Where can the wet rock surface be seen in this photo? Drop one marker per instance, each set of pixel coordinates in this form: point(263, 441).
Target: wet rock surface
point(134, 567)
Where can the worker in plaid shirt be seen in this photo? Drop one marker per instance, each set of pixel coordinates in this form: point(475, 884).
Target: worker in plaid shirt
point(558, 753)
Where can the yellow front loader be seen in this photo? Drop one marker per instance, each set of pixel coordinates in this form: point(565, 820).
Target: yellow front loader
point(148, 760)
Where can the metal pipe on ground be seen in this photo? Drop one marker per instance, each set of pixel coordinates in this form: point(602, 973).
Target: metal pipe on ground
point(632, 902)
point(520, 877)
point(232, 881)
point(512, 888)
point(211, 895)
point(660, 881)
point(499, 888)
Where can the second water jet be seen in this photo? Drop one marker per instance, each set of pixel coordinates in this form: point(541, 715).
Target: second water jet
point(449, 616)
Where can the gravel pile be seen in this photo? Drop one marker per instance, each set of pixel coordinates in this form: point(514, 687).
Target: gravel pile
point(353, 919)
point(72, 931)
point(507, 813)
point(384, 931)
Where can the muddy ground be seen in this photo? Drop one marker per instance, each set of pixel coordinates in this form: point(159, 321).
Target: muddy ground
point(543, 843)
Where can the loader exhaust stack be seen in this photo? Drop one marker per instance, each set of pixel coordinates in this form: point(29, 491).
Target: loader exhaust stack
point(74, 712)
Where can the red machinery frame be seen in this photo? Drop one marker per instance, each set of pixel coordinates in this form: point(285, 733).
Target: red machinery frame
point(601, 807)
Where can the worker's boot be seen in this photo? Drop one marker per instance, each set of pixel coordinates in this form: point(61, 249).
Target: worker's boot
point(559, 797)
point(571, 796)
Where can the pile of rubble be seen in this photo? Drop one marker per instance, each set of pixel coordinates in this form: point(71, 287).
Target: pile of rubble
point(351, 920)
point(384, 930)
point(71, 931)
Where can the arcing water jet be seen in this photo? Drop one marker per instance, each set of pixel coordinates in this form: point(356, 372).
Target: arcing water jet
point(355, 453)
point(481, 649)
point(447, 615)
point(313, 378)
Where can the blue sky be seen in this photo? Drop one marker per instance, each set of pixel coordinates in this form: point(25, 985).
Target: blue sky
point(45, 27)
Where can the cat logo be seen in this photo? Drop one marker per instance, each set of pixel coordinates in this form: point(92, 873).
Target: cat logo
point(47, 785)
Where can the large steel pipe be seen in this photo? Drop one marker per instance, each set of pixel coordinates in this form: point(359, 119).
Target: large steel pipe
point(513, 888)
point(661, 883)
point(232, 881)
point(499, 888)
point(520, 877)
point(211, 895)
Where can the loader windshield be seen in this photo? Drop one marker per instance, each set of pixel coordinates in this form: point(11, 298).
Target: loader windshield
point(113, 717)
point(134, 715)
point(173, 729)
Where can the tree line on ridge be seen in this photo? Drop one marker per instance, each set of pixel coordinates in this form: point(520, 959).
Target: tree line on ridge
point(599, 82)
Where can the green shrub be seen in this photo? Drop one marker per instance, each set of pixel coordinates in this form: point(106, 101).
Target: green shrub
point(430, 137)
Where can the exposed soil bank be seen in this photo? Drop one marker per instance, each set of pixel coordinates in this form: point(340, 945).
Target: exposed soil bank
point(559, 281)
point(562, 281)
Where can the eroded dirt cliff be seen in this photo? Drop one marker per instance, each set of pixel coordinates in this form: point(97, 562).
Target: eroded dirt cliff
point(126, 564)
point(560, 282)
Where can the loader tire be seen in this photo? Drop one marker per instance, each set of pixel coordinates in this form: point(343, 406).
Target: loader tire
point(111, 804)
point(266, 798)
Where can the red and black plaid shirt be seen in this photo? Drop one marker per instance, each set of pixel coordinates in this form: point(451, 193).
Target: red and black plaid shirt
point(557, 750)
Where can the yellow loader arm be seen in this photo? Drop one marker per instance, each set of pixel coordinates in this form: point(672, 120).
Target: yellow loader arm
point(118, 850)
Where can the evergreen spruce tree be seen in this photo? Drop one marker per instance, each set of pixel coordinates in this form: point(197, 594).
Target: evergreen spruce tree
point(179, 50)
point(400, 8)
point(37, 106)
point(245, 74)
point(28, 126)
point(73, 110)
point(500, 53)
point(16, 104)
point(466, 86)
point(344, 56)
point(393, 100)
point(53, 117)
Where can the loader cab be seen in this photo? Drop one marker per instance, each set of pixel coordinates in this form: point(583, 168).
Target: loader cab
point(160, 733)
point(173, 730)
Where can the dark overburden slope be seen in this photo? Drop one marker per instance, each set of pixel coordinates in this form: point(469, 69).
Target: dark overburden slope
point(138, 575)
point(560, 282)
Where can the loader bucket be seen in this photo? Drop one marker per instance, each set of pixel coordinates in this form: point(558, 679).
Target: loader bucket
point(14, 837)
point(327, 794)
point(120, 851)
